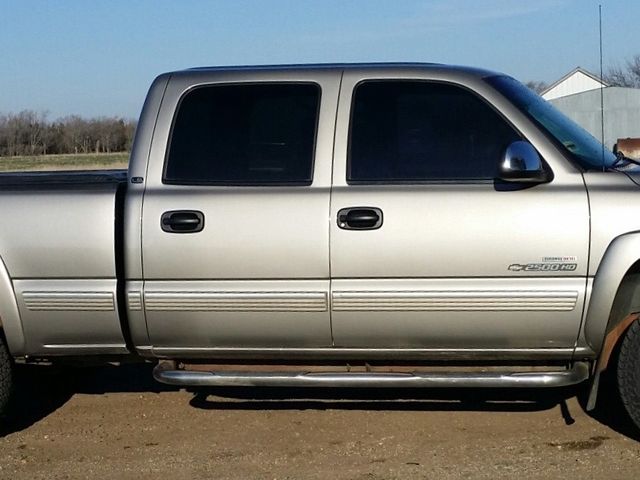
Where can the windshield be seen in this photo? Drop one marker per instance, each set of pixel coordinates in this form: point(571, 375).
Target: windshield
point(583, 147)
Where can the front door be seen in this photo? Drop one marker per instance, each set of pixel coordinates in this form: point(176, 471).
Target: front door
point(428, 250)
point(235, 234)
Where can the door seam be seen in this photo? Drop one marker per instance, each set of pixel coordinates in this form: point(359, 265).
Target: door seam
point(333, 157)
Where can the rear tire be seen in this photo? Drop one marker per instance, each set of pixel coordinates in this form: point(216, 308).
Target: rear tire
point(6, 376)
point(628, 372)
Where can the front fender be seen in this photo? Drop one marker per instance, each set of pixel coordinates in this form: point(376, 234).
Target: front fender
point(623, 252)
point(9, 314)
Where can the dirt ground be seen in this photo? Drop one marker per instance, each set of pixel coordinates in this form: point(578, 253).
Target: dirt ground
point(116, 423)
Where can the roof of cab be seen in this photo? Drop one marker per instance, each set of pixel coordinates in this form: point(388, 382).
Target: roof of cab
point(319, 66)
point(344, 66)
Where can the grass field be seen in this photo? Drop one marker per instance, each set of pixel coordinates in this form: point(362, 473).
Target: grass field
point(40, 163)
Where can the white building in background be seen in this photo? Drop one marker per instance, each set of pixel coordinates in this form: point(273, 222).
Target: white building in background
point(621, 112)
point(578, 95)
point(576, 81)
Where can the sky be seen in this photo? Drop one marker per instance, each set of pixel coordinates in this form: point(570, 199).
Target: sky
point(98, 58)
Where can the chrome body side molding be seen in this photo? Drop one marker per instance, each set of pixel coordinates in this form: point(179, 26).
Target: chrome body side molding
point(210, 301)
point(443, 300)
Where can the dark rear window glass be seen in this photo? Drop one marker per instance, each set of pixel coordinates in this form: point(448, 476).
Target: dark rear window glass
point(424, 131)
point(244, 135)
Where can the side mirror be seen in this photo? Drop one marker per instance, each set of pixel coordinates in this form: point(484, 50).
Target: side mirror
point(521, 163)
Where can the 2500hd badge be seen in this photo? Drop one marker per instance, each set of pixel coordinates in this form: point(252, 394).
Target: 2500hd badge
point(543, 267)
point(548, 264)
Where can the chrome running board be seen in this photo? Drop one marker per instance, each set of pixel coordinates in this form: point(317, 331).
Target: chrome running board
point(167, 372)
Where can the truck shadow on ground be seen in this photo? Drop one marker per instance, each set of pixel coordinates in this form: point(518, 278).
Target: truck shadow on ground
point(610, 413)
point(42, 390)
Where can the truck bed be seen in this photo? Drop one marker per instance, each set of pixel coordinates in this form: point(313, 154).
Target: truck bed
point(60, 246)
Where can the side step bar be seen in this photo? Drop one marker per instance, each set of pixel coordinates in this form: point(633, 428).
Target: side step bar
point(167, 372)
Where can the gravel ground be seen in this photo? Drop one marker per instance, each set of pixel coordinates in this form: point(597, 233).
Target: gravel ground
point(116, 423)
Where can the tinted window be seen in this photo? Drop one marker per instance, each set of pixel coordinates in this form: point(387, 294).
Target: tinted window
point(421, 131)
point(244, 135)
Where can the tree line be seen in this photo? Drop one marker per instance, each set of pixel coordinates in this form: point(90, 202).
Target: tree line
point(31, 133)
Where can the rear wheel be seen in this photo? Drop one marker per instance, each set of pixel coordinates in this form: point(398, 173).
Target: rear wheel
point(628, 373)
point(6, 376)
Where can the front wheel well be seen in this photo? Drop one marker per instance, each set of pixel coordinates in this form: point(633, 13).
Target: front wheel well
point(627, 298)
point(626, 305)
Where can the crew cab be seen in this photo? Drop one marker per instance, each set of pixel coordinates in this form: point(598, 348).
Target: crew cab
point(360, 225)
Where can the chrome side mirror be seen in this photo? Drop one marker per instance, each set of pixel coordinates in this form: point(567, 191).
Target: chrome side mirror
point(521, 163)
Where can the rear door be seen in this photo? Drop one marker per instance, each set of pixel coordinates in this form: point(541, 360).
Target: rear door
point(235, 234)
point(428, 250)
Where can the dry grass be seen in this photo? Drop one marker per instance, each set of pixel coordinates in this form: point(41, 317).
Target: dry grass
point(40, 163)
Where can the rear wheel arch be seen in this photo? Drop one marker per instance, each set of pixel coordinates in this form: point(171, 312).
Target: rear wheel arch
point(10, 323)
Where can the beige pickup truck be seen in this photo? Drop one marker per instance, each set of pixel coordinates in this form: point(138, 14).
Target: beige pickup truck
point(335, 226)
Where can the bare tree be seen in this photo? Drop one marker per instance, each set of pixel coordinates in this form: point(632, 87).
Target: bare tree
point(34, 125)
point(536, 86)
point(4, 134)
point(625, 76)
point(15, 134)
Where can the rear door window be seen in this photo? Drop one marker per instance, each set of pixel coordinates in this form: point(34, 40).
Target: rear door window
point(252, 134)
